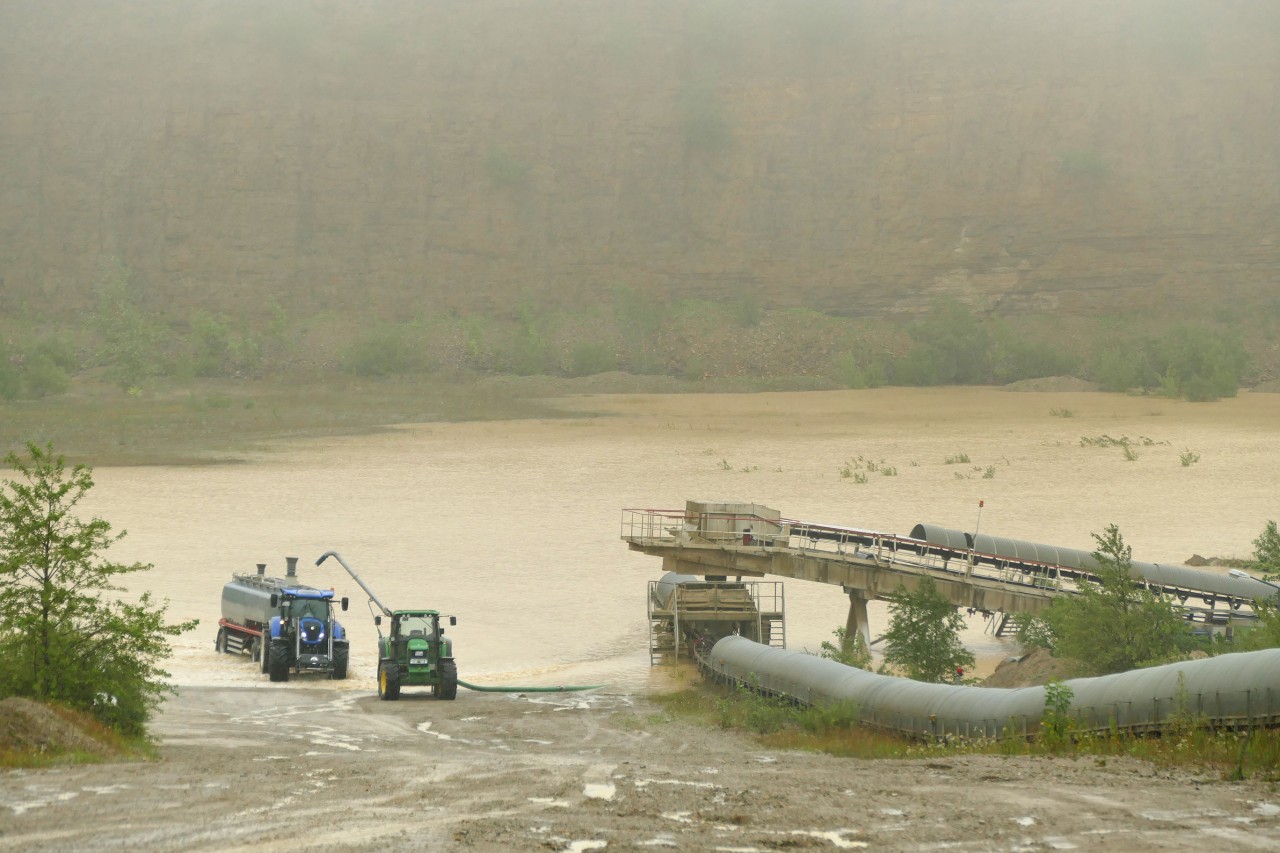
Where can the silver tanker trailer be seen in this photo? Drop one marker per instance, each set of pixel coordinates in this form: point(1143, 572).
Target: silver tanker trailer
point(282, 624)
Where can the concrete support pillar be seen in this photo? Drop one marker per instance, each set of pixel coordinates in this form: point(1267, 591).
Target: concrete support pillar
point(857, 622)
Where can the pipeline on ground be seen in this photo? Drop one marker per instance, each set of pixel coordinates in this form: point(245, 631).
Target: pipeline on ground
point(1234, 691)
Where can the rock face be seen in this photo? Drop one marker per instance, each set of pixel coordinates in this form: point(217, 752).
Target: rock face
point(1075, 156)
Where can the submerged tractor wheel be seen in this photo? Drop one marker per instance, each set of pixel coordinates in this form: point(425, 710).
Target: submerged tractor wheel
point(264, 652)
point(278, 666)
point(341, 654)
point(220, 644)
point(447, 686)
point(388, 681)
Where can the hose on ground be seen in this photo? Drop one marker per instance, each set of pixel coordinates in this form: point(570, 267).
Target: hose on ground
point(560, 688)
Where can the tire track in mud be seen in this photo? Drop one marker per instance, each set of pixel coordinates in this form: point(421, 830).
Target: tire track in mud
point(321, 769)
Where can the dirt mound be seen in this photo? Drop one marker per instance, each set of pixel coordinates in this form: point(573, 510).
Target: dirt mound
point(1051, 383)
point(28, 726)
point(1230, 562)
point(1034, 668)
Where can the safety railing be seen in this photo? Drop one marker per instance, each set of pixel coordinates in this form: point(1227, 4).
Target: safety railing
point(728, 530)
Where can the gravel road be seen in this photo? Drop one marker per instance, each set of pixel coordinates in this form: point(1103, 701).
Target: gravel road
point(305, 767)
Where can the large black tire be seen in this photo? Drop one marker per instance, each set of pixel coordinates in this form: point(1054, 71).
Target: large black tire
point(278, 666)
point(341, 654)
point(388, 681)
point(264, 652)
point(447, 688)
point(220, 644)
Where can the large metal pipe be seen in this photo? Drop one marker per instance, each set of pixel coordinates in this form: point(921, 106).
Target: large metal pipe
point(327, 554)
point(666, 587)
point(1227, 690)
point(1019, 552)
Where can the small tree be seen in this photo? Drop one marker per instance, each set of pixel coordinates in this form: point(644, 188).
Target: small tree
point(1056, 726)
point(1114, 625)
point(1265, 634)
point(60, 638)
point(850, 651)
point(1266, 552)
point(923, 640)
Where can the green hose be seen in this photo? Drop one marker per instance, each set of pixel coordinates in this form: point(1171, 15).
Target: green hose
point(557, 689)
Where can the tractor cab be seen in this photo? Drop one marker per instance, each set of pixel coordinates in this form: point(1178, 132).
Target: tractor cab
point(415, 652)
point(424, 625)
point(414, 634)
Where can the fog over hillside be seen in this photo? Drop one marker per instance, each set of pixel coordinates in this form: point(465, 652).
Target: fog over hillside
point(858, 158)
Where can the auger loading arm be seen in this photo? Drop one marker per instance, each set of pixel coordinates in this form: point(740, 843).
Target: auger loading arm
point(414, 652)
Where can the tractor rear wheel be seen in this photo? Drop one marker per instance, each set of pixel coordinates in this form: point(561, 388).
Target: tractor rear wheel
point(447, 687)
point(388, 681)
point(341, 655)
point(220, 644)
point(264, 651)
point(278, 666)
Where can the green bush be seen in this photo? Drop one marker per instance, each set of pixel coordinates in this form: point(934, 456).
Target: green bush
point(1266, 552)
point(860, 370)
point(526, 353)
point(382, 351)
point(42, 377)
point(951, 348)
point(590, 357)
point(1199, 364)
point(1014, 357)
point(133, 342)
point(1056, 726)
point(1114, 625)
point(60, 351)
point(850, 651)
point(923, 638)
point(36, 373)
point(917, 367)
point(217, 350)
point(1195, 363)
point(1121, 366)
point(57, 610)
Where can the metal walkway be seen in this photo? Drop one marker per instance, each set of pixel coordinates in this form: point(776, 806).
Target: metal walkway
point(987, 575)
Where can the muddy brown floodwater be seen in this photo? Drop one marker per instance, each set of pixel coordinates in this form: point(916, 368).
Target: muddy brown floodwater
point(514, 527)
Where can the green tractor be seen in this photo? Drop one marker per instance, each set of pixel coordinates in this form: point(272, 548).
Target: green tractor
point(416, 654)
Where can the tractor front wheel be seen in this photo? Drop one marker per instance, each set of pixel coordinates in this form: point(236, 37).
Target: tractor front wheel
point(278, 666)
point(388, 681)
point(447, 687)
point(341, 655)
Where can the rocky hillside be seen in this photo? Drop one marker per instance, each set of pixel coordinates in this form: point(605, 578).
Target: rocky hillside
point(401, 158)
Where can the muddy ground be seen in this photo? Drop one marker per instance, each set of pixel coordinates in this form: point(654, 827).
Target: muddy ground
point(308, 767)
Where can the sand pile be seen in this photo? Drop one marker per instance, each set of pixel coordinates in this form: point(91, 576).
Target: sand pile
point(28, 726)
point(1034, 668)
